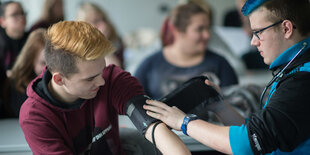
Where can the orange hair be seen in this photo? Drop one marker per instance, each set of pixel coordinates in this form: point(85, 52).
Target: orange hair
point(68, 40)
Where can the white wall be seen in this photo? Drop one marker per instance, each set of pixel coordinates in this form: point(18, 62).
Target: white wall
point(127, 15)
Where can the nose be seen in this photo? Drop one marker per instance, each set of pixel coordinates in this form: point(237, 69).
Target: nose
point(254, 41)
point(206, 34)
point(100, 81)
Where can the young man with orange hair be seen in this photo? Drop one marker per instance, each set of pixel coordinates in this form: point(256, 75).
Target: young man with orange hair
point(73, 105)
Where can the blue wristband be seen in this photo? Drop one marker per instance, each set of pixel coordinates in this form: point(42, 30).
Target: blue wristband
point(187, 119)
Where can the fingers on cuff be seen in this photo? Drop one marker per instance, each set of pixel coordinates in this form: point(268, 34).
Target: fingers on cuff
point(153, 114)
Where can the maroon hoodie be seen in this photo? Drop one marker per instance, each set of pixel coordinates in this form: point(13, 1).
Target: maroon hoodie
point(91, 127)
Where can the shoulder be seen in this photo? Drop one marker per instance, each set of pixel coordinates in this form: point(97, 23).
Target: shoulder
point(214, 58)
point(33, 109)
point(150, 62)
point(2, 37)
point(155, 57)
point(34, 106)
point(115, 75)
point(291, 90)
point(112, 71)
point(296, 80)
point(212, 55)
point(39, 24)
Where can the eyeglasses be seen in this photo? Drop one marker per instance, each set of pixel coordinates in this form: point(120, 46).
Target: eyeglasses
point(16, 15)
point(265, 28)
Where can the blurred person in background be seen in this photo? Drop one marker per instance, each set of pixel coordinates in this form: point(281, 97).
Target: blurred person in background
point(2, 82)
point(52, 12)
point(12, 33)
point(96, 16)
point(184, 34)
point(234, 18)
point(251, 58)
point(29, 64)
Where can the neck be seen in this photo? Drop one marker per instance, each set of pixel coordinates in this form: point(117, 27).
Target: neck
point(180, 57)
point(59, 93)
point(301, 38)
point(296, 38)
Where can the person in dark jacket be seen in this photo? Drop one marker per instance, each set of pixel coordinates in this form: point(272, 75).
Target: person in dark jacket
point(29, 64)
point(3, 78)
point(184, 36)
point(12, 33)
point(281, 34)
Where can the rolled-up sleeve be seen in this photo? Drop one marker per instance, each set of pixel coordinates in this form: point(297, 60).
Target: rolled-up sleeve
point(239, 142)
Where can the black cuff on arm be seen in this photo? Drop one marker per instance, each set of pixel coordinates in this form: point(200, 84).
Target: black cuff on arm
point(134, 110)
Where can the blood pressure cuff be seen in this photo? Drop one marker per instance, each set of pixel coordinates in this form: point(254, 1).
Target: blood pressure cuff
point(193, 96)
point(136, 113)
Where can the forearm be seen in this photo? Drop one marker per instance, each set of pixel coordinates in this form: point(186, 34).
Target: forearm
point(166, 141)
point(214, 136)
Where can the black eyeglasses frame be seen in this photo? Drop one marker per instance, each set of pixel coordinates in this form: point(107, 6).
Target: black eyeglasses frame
point(265, 28)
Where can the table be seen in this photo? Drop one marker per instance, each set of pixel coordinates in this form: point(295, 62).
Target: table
point(12, 140)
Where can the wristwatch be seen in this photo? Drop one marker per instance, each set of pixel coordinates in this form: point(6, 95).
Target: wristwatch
point(187, 119)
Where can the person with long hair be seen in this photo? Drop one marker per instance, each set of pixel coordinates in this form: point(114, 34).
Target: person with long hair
point(28, 65)
point(52, 12)
point(91, 13)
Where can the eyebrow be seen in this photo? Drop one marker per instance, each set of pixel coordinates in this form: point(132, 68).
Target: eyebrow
point(255, 29)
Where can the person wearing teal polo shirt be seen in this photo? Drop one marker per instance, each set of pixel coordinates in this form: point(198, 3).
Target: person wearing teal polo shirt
point(281, 33)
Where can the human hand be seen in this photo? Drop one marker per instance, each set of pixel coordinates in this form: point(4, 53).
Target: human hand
point(216, 87)
point(172, 116)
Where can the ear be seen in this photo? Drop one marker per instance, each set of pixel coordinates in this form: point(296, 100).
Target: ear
point(58, 78)
point(288, 28)
point(2, 22)
point(175, 32)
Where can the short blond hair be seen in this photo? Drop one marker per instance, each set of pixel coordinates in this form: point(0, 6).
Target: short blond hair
point(69, 40)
